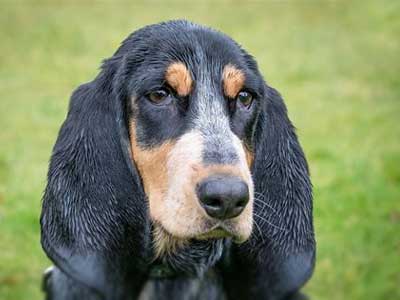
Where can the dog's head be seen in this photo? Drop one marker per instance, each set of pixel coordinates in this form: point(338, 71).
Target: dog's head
point(169, 143)
point(193, 102)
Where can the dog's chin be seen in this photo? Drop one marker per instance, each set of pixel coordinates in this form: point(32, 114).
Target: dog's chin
point(221, 231)
point(190, 256)
point(194, 253)
point(212, 230)
point(217, 233)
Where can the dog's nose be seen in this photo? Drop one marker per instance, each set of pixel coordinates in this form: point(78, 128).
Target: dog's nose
point(223, 197)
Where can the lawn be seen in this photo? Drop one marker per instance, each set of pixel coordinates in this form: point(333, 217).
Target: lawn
point(337, 64)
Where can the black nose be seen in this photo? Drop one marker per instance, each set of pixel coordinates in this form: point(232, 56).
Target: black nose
point(223, 197)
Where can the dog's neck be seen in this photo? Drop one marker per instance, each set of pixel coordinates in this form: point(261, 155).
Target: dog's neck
point(194, 260)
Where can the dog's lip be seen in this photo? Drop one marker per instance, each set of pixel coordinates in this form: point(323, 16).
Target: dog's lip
point(220, 230)
point(214, 233)
point(214, 230)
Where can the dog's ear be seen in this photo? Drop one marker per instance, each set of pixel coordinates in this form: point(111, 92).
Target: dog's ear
point(283, 189)
point(94, 223)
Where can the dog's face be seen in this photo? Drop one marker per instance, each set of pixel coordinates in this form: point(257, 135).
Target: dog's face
point(193, 105)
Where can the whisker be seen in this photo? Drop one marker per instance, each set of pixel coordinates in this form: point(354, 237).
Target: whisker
point(262, 195)
point(268, 222)
point(261, 206)
point(259, 231)
point(261, 200)
point(264, 204)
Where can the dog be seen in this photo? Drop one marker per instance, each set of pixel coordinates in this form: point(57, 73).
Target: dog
point(177, 175)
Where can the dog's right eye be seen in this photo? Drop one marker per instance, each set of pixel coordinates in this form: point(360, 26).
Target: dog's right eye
point(158, 96)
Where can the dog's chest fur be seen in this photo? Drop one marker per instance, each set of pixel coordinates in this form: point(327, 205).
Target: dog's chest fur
point(190, 273)
point(208, 287)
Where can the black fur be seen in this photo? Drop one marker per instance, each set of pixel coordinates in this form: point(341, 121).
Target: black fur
point(95, 224)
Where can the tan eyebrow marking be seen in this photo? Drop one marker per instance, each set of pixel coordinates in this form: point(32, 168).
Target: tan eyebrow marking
point(178, 77)
point(233, 80)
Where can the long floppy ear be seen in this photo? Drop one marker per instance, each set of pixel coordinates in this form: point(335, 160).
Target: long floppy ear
point(281, 178)
point(94, 217)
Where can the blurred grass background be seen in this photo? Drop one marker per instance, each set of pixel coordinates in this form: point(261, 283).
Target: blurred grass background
point(337, 64)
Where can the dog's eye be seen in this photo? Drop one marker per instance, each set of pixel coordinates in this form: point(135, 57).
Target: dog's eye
point(245, 98)
point(158, 96)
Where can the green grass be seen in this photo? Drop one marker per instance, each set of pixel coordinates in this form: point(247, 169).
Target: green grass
point(337, 65)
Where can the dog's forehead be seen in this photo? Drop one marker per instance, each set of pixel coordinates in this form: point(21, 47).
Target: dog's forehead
point(196, 55)
point(199, 48)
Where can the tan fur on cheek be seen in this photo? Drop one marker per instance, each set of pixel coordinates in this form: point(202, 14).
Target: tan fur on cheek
point(233, 80)
point(182, 212)
point(152, 166)
point(249, 156)
point(178, 77)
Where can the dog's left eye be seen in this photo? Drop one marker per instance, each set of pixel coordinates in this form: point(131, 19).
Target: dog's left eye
point(245, 98)
point(158, 96)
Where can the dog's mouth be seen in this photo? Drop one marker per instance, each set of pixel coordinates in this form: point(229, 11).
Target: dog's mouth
point(219, 231)
point(167, 242)
point(213, 231)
